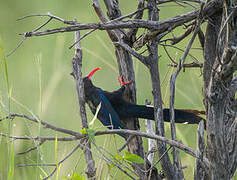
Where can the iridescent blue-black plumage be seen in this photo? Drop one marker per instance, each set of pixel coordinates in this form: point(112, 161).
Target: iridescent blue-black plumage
point(115, 109)
point(126, 110)
point(107, 115)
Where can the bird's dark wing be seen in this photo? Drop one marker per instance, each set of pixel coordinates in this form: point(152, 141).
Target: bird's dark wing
point(107, 115)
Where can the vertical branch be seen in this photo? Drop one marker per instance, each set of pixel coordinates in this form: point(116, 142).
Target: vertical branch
point(199, 173)
point(76, 72)
point(156, 89)
point(177, 164)
point(151, 142)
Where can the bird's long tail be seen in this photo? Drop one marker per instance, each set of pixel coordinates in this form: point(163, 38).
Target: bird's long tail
point(187, 116)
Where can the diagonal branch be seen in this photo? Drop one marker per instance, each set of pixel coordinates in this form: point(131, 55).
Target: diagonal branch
point(32, 148)
point(45, 124)
point(140, 57)
point(60, 162)
point(39, 138)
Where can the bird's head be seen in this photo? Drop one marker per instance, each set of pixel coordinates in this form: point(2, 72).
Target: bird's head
point(87, 80)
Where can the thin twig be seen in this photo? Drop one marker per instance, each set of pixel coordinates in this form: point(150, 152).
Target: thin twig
point(60, 162)
point(168, 45)
point(43, 24)
point(167, 150)
point(176, 40)
point(32, 148)
point(142, 58)
point(20, 43)
point(128, 15)
point(39, 138)
point(48, 15)
point(125, 144)
point(171, 59)
point(45, 124)
point(169, 1)
point(24, 165)
point(82, 37)
point(116, 163)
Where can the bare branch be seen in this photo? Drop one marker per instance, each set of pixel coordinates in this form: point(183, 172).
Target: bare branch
point(175, 47)
point(151, 142)
point(60, 162)
point(32, 148)
point(201, 38)
point(77, 74)
point(188, 65)
point(167, 150)
point(45, 124)
point(116, 163)
point(176, 40)
point(130, 15)
point(160, 26)
point(168, 1)
point(173, 77)
point(143, 59)
point(82, 37)
point(19, 45)
point(210, 8)
point(131, 34)
point(50, 17)
point(24, 165)
point(113, 34)
point(123, 131)
point(177, 144)
point(153, 66)
point(39, 138)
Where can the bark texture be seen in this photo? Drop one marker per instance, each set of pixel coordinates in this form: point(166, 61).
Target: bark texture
point(219, 67)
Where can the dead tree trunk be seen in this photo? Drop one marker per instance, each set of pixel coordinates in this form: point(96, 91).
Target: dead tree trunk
point(220, 85)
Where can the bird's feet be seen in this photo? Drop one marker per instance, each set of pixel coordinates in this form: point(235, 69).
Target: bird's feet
point(122, 82)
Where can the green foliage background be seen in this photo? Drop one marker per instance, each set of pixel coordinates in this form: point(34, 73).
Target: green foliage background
point(39, 78)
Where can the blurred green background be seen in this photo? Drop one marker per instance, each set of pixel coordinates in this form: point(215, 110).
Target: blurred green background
point(39, 78)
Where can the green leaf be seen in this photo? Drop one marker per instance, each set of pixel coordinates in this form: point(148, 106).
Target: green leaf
point(118, 157)
point(133, 158)
point(83, 131)
point(75, 176)
point(89, 132)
